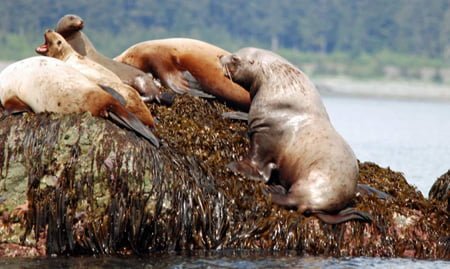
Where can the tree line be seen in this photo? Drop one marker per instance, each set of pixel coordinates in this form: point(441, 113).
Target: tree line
point(353, 27)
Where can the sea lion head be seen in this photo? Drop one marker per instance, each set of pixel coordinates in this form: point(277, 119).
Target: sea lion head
point(239, 67)
point(54, 46)
point(68, 24)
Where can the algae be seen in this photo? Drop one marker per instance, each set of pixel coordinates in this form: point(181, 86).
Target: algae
point(94, 188)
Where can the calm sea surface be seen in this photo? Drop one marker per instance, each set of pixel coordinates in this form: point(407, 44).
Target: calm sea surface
point(239, 262)
point(412, 137)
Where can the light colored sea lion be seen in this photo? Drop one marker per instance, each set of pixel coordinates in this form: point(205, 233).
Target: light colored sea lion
point(169, 59)
point(70, 26)
point(44, 84)
point(57, 47)
point(293, 145)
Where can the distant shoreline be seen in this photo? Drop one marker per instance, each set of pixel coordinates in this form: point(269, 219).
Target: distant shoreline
point(393, 89)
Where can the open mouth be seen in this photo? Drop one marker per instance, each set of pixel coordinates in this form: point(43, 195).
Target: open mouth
point(43, 49)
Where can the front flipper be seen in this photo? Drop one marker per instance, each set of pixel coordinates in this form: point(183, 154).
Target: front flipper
point(342, 216)
point(176, 81)
point(14, 106)
point(114, 94)
point(195, 89)
point(126, 119)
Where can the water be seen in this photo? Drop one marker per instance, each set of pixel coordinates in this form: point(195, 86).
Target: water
point(238, 262)
point(412, 137)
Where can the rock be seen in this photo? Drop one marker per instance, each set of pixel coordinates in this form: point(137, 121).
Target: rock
point(94, 188)
point(440, 191)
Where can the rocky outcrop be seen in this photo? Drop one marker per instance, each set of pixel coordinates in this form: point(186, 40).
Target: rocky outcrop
point(94, 188)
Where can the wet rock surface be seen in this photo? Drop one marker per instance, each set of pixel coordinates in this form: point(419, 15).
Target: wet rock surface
point(94, 188)
point(440, 191)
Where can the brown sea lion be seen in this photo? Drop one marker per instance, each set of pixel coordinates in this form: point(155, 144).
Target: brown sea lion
point(169, 59)
point(293, 146)
point(70, 26)
point(44, 84)
point(57, 47)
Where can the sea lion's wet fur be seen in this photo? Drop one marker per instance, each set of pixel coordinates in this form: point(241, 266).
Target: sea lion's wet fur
point(57, 47)
point(293, 144)
point(70, 26)
point(172, 59)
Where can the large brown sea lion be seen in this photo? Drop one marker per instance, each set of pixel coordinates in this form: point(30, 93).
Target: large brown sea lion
point(70, 26)
point(169, 59)
point(44, 84)
point(293, 145)
point(57, 47)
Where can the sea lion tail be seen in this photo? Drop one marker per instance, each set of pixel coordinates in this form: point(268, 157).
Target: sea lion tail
point(122, 117)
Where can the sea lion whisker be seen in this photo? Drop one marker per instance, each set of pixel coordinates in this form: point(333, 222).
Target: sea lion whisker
point(227, 70)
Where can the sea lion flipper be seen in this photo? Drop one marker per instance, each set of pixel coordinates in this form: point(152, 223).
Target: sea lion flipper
point(366, 189)
point(194, 88)
point(344, 215)
point(176, 81)
point(126, 119)
point(284, 199)
point(235, 115)
point(114, 94)
point(246, 168)
point(14, 105)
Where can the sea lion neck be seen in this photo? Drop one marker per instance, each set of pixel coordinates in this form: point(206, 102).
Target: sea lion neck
point(76, 40)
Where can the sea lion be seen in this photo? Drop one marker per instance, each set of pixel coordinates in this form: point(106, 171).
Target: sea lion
point(57, 47)
point(43, 84)
point(169, 59)
point(70, 26)
point(293, 145)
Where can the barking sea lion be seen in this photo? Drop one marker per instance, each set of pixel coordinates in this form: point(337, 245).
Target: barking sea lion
point(57, 47)
point(70, 26)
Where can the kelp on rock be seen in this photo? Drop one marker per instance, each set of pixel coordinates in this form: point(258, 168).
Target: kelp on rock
point(94, 188)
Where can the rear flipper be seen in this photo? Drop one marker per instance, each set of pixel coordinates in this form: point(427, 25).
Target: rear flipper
point(288, 200)
point(235, 115)
point(366, 189)
point(146, 87)
point(342, 216)
point(126, 119)
point(249, 170)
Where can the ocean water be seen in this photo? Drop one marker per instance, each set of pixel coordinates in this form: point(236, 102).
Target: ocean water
point(237, 262)
point(412, 137)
